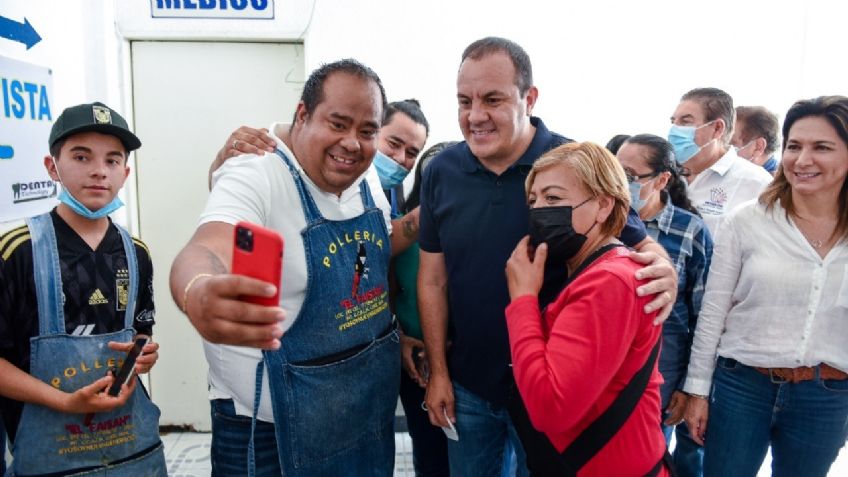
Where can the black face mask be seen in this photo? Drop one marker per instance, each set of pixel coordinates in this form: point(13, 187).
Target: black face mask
point(552, 225)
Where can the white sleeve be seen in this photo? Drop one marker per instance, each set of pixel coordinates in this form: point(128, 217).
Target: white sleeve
point(380, 200)
point(724, 273)
point(240, 191)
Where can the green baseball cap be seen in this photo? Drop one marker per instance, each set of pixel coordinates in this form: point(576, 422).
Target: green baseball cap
point(95, 117)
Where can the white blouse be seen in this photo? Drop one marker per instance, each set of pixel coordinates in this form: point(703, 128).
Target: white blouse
point(771, 301)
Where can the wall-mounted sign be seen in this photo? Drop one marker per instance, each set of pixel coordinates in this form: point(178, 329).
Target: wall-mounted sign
point(25, 121)
point(234, 9)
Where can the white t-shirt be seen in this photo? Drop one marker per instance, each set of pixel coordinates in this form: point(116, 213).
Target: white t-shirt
point(771, 301)
point(725, 185)
point(260, 189)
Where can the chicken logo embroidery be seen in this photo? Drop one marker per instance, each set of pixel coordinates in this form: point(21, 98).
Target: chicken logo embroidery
point(360, 269)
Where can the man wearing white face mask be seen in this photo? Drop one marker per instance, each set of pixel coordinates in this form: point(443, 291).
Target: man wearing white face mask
point(756, 136)
point(719, 180)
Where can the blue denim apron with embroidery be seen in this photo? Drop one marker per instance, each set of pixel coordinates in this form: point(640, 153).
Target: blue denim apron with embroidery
point(334, 381)
point(108, 443)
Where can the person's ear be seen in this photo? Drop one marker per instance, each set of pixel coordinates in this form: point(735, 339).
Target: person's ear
point(720, 127)
point(662, 180)
point(50, 165)
point(530, 99)
point(301, 114)
point(760, 146)
point(605, 206)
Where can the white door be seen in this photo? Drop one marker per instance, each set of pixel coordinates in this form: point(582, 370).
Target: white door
point(187, 98)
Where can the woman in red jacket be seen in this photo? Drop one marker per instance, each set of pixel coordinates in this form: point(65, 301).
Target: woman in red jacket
point(585, 366)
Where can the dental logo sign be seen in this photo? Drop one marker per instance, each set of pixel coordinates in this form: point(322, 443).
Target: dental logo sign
point(233, 9)
point(26, 115)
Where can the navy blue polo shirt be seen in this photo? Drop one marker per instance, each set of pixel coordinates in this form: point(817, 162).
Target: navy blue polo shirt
point(475, 218)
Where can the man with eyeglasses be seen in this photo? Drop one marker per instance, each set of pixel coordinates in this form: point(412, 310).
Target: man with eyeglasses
point(719, 180)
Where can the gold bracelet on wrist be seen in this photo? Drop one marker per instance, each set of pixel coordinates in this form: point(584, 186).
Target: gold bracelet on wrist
point(188, 288)
point(701, 396)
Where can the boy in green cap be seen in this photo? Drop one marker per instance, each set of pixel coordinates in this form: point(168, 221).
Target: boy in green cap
point(75, 290)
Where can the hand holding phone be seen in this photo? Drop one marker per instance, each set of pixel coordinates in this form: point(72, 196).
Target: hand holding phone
point(126, 372)
point(258, 253)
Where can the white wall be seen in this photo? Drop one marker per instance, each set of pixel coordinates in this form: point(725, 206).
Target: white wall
point(78, 42)
point(602, 67)
point(80, 45)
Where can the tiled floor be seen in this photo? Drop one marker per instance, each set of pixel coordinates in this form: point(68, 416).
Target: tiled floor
point(188, 456)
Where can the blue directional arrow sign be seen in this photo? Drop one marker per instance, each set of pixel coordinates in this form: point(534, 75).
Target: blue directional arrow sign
point(20, 32)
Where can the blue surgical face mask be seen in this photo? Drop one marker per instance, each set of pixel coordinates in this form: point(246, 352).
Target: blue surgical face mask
point(66, 198)
point(391, 173)
point(636, 200)
point(682, 139)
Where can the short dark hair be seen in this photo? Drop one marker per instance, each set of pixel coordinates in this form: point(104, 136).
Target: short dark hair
point(313, 89)
point(614, 144)
point(409, 107)
point(757, 121)
point(520, 59)
point(56, 148)
point(717, 104)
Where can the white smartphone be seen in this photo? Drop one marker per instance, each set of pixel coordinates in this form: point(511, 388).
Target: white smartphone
point(450, 431)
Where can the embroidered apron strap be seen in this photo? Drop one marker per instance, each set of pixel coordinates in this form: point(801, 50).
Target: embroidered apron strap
point(310, 209)
point(47, 273)
point(251, 446)
point(132, 265)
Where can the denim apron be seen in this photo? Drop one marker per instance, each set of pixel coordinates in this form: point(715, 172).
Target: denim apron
point(334, 381)
point(49, 441)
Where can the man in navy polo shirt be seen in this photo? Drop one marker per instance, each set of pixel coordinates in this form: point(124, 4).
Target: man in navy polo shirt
point(473, 213)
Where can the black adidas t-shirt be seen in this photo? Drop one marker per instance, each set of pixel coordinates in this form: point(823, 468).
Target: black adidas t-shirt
point(94, 283)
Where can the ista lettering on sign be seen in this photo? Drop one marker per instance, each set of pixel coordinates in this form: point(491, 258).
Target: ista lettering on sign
point(25, 100)
point(233, 9)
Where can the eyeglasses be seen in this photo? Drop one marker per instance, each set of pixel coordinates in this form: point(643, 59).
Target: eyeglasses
point(638, 177)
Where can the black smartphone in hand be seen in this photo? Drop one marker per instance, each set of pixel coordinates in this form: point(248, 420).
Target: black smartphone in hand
point(126, 372)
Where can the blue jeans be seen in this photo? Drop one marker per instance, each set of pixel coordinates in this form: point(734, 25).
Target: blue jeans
point(688, 456)
point(230, 436)
point(488, 444)
point(2, 447)
point(805, 423)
